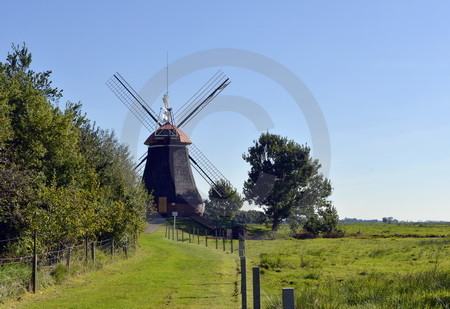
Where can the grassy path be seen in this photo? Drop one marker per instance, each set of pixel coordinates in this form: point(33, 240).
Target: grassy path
point(163, 274)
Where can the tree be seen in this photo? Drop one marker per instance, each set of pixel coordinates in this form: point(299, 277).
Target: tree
point(60, 175)
point(325, 220)
point(283, 178)
point(225, 206)
point(312, 197)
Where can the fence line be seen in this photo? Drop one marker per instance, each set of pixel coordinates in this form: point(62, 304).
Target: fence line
point(21, 273)
point(287, 293)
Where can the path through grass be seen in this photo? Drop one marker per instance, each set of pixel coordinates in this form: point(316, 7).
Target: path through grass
point(162, 274)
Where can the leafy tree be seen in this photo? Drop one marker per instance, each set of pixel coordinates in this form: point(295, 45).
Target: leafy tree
point(325, 220)
point(280, 171)
point(315, 194)
point(223, 207)
point(59, 173)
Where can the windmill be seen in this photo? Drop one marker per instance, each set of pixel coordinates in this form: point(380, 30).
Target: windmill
point(171, 154)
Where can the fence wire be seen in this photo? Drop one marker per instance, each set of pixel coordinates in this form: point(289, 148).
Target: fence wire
point(55, 264)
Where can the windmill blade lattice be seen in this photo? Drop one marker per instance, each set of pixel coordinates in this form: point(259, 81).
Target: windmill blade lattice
point(201, 98)
point(139, 168)
point(206, 169)
point(133, 101)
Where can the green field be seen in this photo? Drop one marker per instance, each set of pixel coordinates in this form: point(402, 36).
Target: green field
point(161, 274)
point(375, 266)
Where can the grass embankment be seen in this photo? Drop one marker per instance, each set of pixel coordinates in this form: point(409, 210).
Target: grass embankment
point(368, 272)
point(161, 274)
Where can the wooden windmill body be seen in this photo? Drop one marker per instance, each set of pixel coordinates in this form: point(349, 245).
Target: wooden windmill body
point(171, 155)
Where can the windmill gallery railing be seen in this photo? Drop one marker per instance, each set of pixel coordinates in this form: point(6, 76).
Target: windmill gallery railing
point(39, 267)
point(222, 239)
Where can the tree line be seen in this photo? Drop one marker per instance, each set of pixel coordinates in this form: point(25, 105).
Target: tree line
point(60, 174)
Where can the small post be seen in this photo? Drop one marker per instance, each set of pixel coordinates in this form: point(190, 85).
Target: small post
point(288, 298)
point(173, 231)
point(93, 251)
point(86, 251)
point(175, 214)
point(198, 236)
point(165, 234)
point(34, 266)
point(112, 248)
point(241, 246)
point(231, 244)
point(223, 239)
point(256, 289)
point(217, 243)
point(182, 235)
point(206, 238)
point(189, 235)
point(244, 282)
point(69, 252)
point(125, 249)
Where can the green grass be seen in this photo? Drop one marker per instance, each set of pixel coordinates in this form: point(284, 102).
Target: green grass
point(377, 266)
point(353, 272)
point(161, 274)
point(396, 229)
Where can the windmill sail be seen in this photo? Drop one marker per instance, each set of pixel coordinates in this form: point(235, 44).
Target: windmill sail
point(192, 107)
point(200, 99)
point(133, 101)
point(206, 169)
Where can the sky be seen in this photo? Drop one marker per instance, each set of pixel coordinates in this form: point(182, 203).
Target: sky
point(366, 84)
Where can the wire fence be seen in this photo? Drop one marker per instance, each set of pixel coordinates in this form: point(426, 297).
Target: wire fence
point(231, 242)
point(42, 267)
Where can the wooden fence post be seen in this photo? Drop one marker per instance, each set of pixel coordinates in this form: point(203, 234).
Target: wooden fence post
point(241, 246)
point(112, 248)
point(231, 244)
point(217, 243)
point(34, 266)
point(69, 252)
point(206, 238)
point(189, 232)
point(198, 236)
point(288, 298)
point(125, 249)
point(244, 282)
point(256, 289)
point(165, 234)
point(223, 240)
point(93, 251)
point(86, 254)
point(177, 233)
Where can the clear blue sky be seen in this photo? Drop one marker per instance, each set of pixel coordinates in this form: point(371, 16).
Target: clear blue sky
point(379, 70)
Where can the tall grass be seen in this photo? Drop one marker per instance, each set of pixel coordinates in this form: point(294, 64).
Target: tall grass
point(417, 290)
point(15, 277)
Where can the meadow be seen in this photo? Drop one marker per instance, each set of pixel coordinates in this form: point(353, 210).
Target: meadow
point(374, 266)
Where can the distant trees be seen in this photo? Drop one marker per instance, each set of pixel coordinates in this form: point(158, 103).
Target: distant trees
point(389, 220)
point(59, 173)
point(225, 206)
point(285, 181)
point(250, 216)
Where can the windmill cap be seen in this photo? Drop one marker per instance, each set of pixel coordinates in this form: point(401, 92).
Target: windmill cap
point(167, 134)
